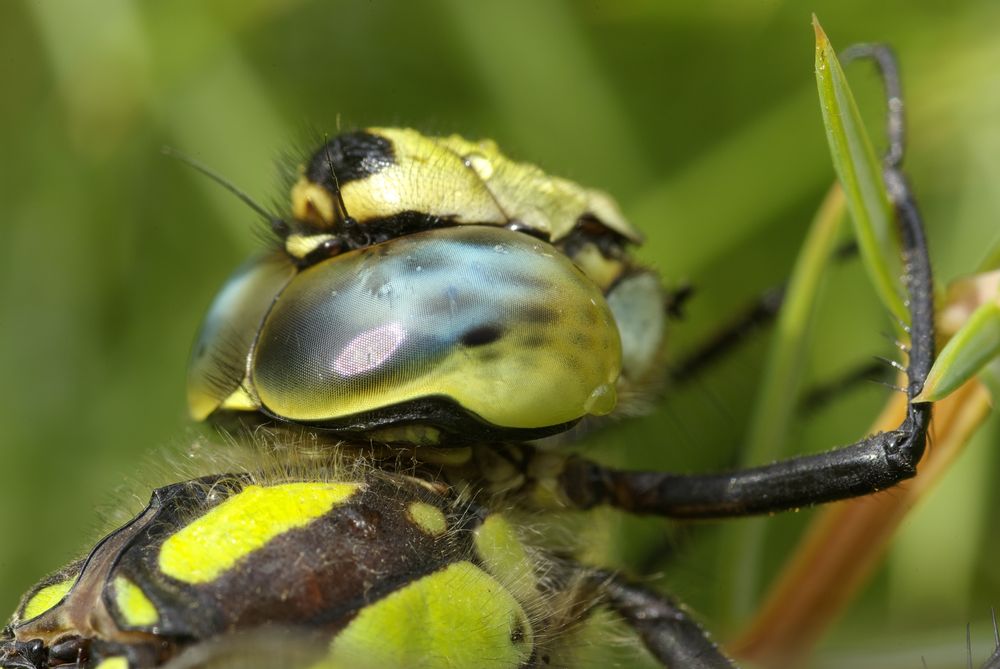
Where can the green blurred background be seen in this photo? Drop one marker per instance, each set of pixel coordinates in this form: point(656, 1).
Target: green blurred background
point(701, 118)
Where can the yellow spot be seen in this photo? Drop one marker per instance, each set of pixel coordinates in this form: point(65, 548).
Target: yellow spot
point(46, 598)
point(133, 604)
point(117, 662)
point(429, 518)
point(456, 618)
point(480, 164)
point(300, 246)
point(504, 556)
point(213, 543)
point(311, 202)
point(239, 400)
point(604, 272)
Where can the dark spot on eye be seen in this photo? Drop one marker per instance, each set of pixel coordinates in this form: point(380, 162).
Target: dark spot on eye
point(535, 313)
point(534, 341)
point(350, 157)
point(487, 356)
point(530, 282)
point(482, 335)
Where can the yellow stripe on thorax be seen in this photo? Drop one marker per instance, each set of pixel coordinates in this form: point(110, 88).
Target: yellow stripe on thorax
point(428, 518)
point(133, 604)
point(456, 618)
point(505, 557)
point(46, 598)
point(213, 543)
point(116, 662)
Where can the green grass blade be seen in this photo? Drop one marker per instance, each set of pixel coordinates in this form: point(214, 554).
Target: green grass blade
point(860, 174)
point(773, 411)
point(971, 349)
point(991, 261)
point(775, 407)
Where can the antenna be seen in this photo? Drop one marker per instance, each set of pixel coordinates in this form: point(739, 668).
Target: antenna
point(345, 218)
point(225, 183)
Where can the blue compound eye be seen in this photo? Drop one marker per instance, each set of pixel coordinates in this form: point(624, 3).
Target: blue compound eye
point(460, 326)
point(500, 325)
point(219, 358)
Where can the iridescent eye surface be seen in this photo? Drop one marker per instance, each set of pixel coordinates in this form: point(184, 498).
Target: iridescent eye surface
point(440, 327)
point(219, 357)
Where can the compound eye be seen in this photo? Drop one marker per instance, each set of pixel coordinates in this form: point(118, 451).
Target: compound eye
point(501, 325)
point(220, 355)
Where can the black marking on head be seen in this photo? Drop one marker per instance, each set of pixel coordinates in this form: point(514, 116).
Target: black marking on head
point(590, 230)
point(326, 249)
point(516, 225)
point(353, 234)
point(378, 230)
point(482, 335)
point(349, 157)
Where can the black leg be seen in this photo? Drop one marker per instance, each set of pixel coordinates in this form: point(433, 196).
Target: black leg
point(885, 60)
point(758, 315)
point(872, 464)
point(666, 628)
